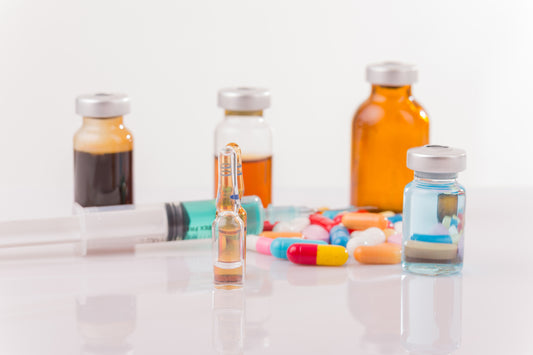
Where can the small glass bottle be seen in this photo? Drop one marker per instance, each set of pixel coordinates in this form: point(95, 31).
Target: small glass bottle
point(388, 123)
point(434, 211)
point(103, 151)
point(244, 124)
point(228, 228)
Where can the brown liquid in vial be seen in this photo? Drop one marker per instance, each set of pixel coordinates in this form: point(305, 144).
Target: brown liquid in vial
point(257, 173)
point(103, 179)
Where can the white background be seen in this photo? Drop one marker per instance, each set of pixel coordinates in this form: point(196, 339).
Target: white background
point(475, 61)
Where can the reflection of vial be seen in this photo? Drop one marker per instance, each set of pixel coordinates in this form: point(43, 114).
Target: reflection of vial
point(103, 151)
point(244, 124)
point(434, 211)
point(388, 123)
point(228, 321)
point(106, 323)
point(431, 313)
point(228, 227)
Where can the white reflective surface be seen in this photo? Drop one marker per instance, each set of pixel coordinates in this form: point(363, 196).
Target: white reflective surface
point(161, 300)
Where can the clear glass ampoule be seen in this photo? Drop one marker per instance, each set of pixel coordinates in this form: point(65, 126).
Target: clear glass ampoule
point(228, 227)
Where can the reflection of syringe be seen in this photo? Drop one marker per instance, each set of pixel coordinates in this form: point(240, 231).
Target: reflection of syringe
point(113, 228)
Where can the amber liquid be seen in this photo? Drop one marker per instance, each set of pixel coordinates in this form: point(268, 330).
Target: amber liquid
point(257, 175)
point(383, 129)
point(103, 179)
point(228, 268)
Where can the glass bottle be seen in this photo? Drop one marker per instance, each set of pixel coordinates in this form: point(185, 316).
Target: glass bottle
point(103, 151)
point(384, 127)
point(244, 124)
point(434, 211)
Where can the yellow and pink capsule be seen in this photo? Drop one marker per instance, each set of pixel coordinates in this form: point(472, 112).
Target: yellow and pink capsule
point(316, 254)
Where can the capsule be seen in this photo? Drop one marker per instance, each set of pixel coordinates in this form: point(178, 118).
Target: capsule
point(274, 235)
point(258, 244)
point(279, 246)
point(364, 220)
point(309, 254)
point(339, 235)
point(436, 238)
point(385, 253)
point(322, 221)
point(395, 218)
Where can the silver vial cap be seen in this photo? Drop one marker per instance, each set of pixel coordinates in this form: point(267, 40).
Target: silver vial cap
point(391, 74)
point(244, 99)
point(436, 159)
point(102, 105)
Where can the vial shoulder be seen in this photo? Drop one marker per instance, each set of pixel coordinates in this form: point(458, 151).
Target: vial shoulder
point(99, 141)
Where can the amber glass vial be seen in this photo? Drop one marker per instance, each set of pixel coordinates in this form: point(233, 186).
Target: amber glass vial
point(245, 125)
point(103, 151)
point(384, 127)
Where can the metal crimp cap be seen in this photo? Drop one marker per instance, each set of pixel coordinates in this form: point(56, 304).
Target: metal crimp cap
point(436, 159)
point(244, 99)
point(391, 74)
point(102, 105)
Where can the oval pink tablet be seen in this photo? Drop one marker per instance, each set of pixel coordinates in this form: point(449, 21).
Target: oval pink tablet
point(396, 238)
point(315, 232)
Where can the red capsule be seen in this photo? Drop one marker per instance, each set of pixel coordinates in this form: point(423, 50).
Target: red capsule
point(322, 221)
point(338, 218)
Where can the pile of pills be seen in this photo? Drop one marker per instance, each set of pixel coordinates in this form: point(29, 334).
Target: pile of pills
point(330, 237)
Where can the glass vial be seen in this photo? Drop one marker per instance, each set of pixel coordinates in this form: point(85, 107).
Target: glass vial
point(384, 127)
point(228, 227)
point(245, 125)
point(103, 151)
point(434, 211)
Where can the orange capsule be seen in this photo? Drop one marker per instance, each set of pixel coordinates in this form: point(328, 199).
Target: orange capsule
point(385, 253)
point(362, 221)
point(274, 235)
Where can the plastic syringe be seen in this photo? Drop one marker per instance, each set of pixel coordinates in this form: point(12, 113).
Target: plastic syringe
point(121, 227)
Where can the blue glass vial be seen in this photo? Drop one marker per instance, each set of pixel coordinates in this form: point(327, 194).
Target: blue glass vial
point(434, 211)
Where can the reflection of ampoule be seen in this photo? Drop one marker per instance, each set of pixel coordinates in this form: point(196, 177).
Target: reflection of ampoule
point(240, 187)
point(228, 321)
point(228, 227)
point(431, 313)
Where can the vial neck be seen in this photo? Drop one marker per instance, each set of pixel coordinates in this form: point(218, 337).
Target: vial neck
point(100, 122)
point(258, 113)
point(444, 178)
point(391, 92)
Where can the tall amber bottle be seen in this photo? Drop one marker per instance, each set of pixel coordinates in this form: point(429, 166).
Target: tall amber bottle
point(384, 127)
point(245, 125)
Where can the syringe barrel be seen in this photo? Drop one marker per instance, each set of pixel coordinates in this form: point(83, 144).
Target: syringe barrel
point(115, 228)
point(119, 228)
